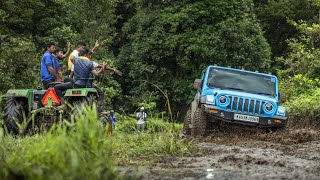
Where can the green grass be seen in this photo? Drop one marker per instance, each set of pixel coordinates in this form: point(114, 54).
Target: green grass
point(77, 151)
point(83, 150)
point(159, 140)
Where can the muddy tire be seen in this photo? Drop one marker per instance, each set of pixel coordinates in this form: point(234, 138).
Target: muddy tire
point(78, 107)
point(186, 124)
point(13, 112)
point(200, 123)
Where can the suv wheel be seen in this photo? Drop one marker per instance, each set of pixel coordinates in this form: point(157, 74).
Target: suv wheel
point(200, 122)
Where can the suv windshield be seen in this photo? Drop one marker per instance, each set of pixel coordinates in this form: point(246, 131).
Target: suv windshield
point(242, 81)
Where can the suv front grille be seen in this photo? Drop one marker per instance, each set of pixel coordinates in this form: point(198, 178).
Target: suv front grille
point(245, 105)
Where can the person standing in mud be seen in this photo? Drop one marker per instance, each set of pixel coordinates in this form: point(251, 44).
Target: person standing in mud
point(141, 117)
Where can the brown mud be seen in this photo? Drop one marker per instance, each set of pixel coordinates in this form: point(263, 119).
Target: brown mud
point(246, 153)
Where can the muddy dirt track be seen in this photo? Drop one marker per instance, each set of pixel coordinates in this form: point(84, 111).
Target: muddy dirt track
point(247, 154)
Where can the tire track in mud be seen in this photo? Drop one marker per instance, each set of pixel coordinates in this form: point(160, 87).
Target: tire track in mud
point(239, 153)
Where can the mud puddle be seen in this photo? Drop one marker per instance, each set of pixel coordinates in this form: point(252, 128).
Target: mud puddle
point(232, 154)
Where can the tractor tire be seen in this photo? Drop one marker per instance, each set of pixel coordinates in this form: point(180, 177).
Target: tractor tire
point(78, 107)
point(13, 112)
point(186, 124)
point(79, 104)
point(200, 123)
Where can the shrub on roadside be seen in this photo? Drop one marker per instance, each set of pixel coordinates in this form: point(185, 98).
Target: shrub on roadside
point(304, 110)
point(297, 85)
point(73, 151)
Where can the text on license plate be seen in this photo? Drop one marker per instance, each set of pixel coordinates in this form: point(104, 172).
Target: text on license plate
point(246, 118)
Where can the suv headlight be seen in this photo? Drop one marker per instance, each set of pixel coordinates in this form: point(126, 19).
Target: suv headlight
point(281, 111)
point(223, 100)
point(268, 107)
point(210, 98)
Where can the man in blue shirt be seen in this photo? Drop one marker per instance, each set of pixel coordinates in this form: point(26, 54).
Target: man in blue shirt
point(50, 68)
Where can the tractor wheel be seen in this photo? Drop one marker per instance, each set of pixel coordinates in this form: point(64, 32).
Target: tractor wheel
point(78, 106)
point(13, 112)
point(200, 123)
point(186, 124)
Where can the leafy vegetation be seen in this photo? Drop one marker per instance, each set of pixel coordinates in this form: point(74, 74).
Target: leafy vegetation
point(305, 110)
point(150, 41)
point(161, 47)
point(84, 150)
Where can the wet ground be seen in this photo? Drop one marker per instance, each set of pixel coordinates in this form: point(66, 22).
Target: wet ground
point(247, 154)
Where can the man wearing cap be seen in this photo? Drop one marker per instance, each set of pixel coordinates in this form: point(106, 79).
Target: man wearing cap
point(141, 117)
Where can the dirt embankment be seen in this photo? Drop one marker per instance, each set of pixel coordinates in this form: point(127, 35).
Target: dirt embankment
point(236, 153)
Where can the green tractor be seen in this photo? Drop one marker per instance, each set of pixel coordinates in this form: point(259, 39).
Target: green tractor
point(39, 108)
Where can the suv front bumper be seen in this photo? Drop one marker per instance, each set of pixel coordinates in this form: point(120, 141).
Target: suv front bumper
point(274, 121)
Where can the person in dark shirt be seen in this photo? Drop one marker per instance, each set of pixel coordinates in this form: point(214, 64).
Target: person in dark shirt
point(84, 71)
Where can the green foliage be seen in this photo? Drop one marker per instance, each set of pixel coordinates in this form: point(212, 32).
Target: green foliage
point(153, 125)
point(83, 150)
point(2, 97)
point(73, 151)
point(305, 53)
point(305, 110)
point(170, 39)
point(18, 63)
point(146, 148)
point(127, 125)
point(297, 85)
point(160, 139)
point(303, 61)
point(273, 15)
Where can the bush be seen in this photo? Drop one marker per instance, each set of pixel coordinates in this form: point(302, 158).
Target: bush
point(297, 85)
point(72, 151)
point(304, 110)
point(83, 150)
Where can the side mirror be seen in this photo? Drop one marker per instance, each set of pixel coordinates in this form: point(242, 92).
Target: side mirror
point(197, 84)
point(282, 97)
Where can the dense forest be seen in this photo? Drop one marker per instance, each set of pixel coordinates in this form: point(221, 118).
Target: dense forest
point(161, 46)
point(164, 44)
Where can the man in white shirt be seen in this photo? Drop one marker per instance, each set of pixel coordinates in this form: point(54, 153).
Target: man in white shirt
point(141, 117)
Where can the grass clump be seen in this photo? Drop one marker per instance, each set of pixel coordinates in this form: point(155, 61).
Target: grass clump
point(153, 125)
point(160, 139)
point(75, 151)
point(84, 150)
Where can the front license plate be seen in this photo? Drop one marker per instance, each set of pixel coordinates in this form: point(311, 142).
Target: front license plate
point(242, 117)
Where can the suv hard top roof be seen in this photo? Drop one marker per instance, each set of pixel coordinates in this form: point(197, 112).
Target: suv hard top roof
point(240, 70)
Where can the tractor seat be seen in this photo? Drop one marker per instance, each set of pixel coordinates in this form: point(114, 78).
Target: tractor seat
point(52, 84)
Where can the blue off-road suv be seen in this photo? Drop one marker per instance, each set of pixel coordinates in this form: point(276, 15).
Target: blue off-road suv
point(235, 96)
